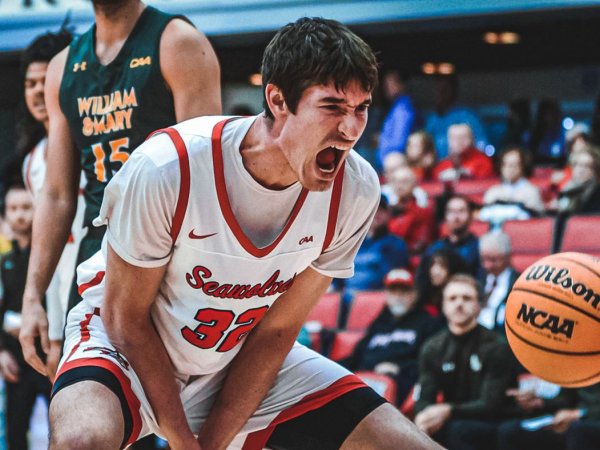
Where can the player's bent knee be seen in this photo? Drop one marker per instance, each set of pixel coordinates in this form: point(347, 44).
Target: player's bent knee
point(85, 415)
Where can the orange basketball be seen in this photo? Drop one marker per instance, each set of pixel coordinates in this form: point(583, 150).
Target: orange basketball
point(553, 319)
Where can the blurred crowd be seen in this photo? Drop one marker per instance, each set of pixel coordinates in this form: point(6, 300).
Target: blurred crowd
point(441, 264)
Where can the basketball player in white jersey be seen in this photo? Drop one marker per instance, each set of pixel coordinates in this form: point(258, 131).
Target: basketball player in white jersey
point(32, 130)
point(222, 235)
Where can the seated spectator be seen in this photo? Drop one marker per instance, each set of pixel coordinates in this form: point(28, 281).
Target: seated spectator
point(457, 217)
point(448, 112)
point(470, 367)
point(464, 159)
point(393, 340)
point(409, 221)
point(548, 137)
point(581, 195)
point(442, 265)
point(577, 139)
point(421, 155)
point(379, 253)
point(515, 198)
point(575, 423)
point(497, 280)
point(391, 164)
point(402, 118)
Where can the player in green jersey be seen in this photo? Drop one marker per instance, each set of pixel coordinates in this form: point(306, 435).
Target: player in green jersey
point(104, 95)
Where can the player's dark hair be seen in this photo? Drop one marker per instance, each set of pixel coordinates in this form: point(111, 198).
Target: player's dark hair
point(316, 51)
point(42, 49)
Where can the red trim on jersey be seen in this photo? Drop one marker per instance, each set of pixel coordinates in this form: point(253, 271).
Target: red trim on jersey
point(184, 186)
point(217, 154)
point(258, 439)
point(334, 207)
point(93, 282)
point(133, 403)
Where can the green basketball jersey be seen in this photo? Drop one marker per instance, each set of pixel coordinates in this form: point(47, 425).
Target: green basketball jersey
point(112, 108)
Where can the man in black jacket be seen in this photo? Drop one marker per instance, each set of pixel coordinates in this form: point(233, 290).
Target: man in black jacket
point(469, 366)
point(393, 340)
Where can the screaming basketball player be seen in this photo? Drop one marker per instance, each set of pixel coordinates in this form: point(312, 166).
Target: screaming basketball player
point(222, 235)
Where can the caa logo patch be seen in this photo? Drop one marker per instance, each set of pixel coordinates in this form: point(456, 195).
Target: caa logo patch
point(137, 62)
point(305, 240)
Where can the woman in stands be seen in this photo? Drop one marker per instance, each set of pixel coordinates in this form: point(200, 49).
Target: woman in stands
point(443, 264)
point(515, 198)
point(581, 195)
point(421, 155)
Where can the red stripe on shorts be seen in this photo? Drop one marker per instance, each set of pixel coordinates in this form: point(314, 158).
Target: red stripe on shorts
point(258, 439)
point(93, 282)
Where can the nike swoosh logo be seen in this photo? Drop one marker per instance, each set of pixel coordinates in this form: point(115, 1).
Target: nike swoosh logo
point(193, 235)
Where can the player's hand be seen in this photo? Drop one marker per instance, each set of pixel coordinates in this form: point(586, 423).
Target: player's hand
point(564, 418)
point(53, 359)
point(9, 367)
point(526, 400)
point(35, 324)
point(184, 444)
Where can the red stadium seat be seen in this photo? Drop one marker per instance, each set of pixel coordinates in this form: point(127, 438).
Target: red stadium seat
point(478, 228)
point(326, 311)
point(581, 235)
point(382, 384)
point(543, 172)
point(365, 307)
point(522, 261)
point(344, 343)
point(475, 189)
point(532, 236)
point(433, 188)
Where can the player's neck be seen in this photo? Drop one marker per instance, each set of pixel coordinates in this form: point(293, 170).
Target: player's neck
point(114, 23)
point(263, 158)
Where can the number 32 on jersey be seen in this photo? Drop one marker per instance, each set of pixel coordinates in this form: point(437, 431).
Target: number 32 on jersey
point(214, 325)
point(118, 153)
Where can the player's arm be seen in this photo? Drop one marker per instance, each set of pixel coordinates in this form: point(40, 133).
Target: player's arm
point(53, 216)
point(264, 351)
point(190, 67)
point(130, 292)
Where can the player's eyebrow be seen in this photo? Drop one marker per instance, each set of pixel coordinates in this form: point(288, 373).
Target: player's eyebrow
point(338, 100)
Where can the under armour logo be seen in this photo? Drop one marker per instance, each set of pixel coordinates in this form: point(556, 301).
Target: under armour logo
point(78, 66)
point(305, 240)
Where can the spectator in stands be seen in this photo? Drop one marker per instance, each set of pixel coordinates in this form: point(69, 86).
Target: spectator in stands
point(515, 197)
point(518, 127)
point(547, 137)
point(464, 159)
point(23, 383)
point(457, 215)
point(575, 423)
point(497, 280)
point(447, 113)
point(577, 140)
point(393, 340)
point(409, 221)
point(379, 253)
point(581, 194)
point(402, 118)
point(443, 264)
point(421, 155)
point(470, 367)
point(391, 164)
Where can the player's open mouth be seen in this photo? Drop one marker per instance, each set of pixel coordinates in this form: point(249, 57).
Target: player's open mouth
point(328, 159)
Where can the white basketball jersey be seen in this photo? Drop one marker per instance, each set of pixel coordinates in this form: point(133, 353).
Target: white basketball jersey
point(218, 284)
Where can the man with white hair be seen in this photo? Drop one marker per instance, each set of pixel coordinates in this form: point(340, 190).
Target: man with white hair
point(495, 254)
point(464, 159)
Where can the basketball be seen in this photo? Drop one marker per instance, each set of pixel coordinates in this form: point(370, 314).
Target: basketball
point(553, 319)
